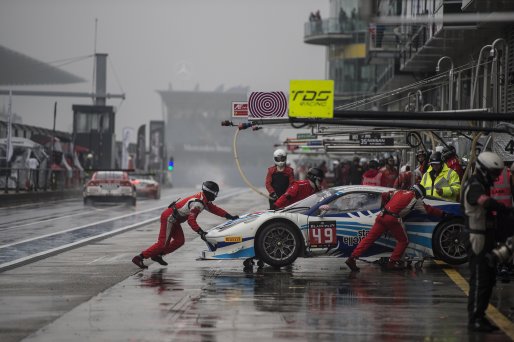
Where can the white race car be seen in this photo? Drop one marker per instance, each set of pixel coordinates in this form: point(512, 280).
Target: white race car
point(331, 223)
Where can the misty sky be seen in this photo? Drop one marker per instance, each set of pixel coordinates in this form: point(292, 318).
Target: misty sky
point(231, 42)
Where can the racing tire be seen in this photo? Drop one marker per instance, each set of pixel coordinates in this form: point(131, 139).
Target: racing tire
point(278, 244)
point(450, 242)
point(88, 202)
point(157, 195)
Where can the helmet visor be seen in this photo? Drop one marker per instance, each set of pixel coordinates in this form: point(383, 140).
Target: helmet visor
point(206, 189)
point(279, 159)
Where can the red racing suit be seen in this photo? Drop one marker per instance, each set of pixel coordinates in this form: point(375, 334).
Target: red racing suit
point(454, 164)
point(297, 191)
point(171, 236)
point(405, 180)
point(400, 205)
point(372, 177)
point(388, 176)
point(278, 181)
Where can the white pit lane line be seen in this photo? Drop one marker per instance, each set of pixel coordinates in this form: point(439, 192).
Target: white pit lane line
point(52, 251)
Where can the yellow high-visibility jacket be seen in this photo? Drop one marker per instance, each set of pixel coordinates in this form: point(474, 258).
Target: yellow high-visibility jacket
point(447, 179)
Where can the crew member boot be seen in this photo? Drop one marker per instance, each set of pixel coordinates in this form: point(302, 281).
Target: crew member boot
point(160, 260)
point(138, 260)
point(350, 262)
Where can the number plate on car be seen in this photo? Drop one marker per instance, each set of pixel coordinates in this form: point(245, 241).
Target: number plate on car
point(322, 234)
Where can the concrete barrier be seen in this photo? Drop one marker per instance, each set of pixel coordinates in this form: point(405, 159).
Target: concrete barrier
point(12, 198)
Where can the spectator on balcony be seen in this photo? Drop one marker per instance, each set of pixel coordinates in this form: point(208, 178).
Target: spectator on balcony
point(342, 19)
point(317, 19)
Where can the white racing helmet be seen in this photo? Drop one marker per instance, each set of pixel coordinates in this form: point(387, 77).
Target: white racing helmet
point(280, 157)
point(490, 165)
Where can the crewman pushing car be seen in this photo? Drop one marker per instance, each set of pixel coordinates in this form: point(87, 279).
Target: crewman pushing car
point(171, 236)
point(301, 189)
point(402, 202)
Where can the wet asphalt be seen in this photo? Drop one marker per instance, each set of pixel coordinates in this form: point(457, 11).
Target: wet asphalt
point(94, 293)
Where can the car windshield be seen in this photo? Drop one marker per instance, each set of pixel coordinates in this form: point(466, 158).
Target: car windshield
point(310, 201)
point(109, 175)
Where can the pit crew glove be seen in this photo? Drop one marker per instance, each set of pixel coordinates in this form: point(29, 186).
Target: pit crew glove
point(273, 196)
point(202, 233)
point(230, 217)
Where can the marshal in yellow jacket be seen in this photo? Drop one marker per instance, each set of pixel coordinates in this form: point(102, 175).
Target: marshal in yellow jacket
point(447, 180)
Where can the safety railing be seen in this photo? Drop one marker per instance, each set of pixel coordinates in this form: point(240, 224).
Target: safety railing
point(24, 179)
point(333, 26)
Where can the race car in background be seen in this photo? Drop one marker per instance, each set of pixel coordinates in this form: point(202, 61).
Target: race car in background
point(146, 185)
point(331, 223)
point(109, 186)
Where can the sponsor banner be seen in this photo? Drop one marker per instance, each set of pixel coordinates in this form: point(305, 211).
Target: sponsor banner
point(127, 132)
point(267, 105)
point(374, 139)
point(311, 99)
point(156, 161)
point(240, 109)
point(141, 148)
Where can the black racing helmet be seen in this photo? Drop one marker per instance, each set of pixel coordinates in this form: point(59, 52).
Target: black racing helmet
point(448, 152)
point(314, 174)
point(373, 164)
point(210, 190)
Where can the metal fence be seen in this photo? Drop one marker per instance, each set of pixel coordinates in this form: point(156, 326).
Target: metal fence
point(24, 179)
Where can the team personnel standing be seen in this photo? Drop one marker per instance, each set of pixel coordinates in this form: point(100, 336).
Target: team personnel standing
point(171, 236)
point(301, 189)
point(389, 172)
point(372, 176)
point(405, 179)
point(402, 202)
point(452, 161)
point(279, 177)
point(441, 181)
point(356, 171)
point(479, 210)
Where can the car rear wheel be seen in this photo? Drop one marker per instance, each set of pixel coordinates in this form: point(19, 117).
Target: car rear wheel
point(88, 201)
point(449, 242)
point(278, 244)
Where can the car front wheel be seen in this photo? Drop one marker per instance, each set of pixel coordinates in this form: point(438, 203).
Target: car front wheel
point(449, 242)
point(278, 244)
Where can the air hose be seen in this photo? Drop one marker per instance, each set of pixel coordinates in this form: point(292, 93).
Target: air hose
point(236, 158)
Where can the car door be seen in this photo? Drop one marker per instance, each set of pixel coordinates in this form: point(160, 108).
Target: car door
point(343, 221)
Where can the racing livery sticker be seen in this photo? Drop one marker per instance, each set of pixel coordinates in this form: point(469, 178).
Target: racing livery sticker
point(233, 239)
point(322, 234)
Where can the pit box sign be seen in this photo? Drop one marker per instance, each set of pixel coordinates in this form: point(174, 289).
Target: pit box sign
point(240, 109)
point(375, 139)
point(311, 99)
point(322, 234)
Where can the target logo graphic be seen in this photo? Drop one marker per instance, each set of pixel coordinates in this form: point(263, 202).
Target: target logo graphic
point(267, 105)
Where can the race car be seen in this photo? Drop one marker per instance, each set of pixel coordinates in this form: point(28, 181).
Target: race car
point(109, 186)
point(146, 185)
point(331, 223)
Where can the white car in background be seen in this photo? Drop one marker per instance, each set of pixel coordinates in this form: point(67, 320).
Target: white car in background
point(109, 186)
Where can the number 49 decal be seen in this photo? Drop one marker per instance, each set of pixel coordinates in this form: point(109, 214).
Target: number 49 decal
point(322, 234)
point(510, 147)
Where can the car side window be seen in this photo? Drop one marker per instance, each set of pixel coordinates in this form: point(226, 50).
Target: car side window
point(354, 202)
